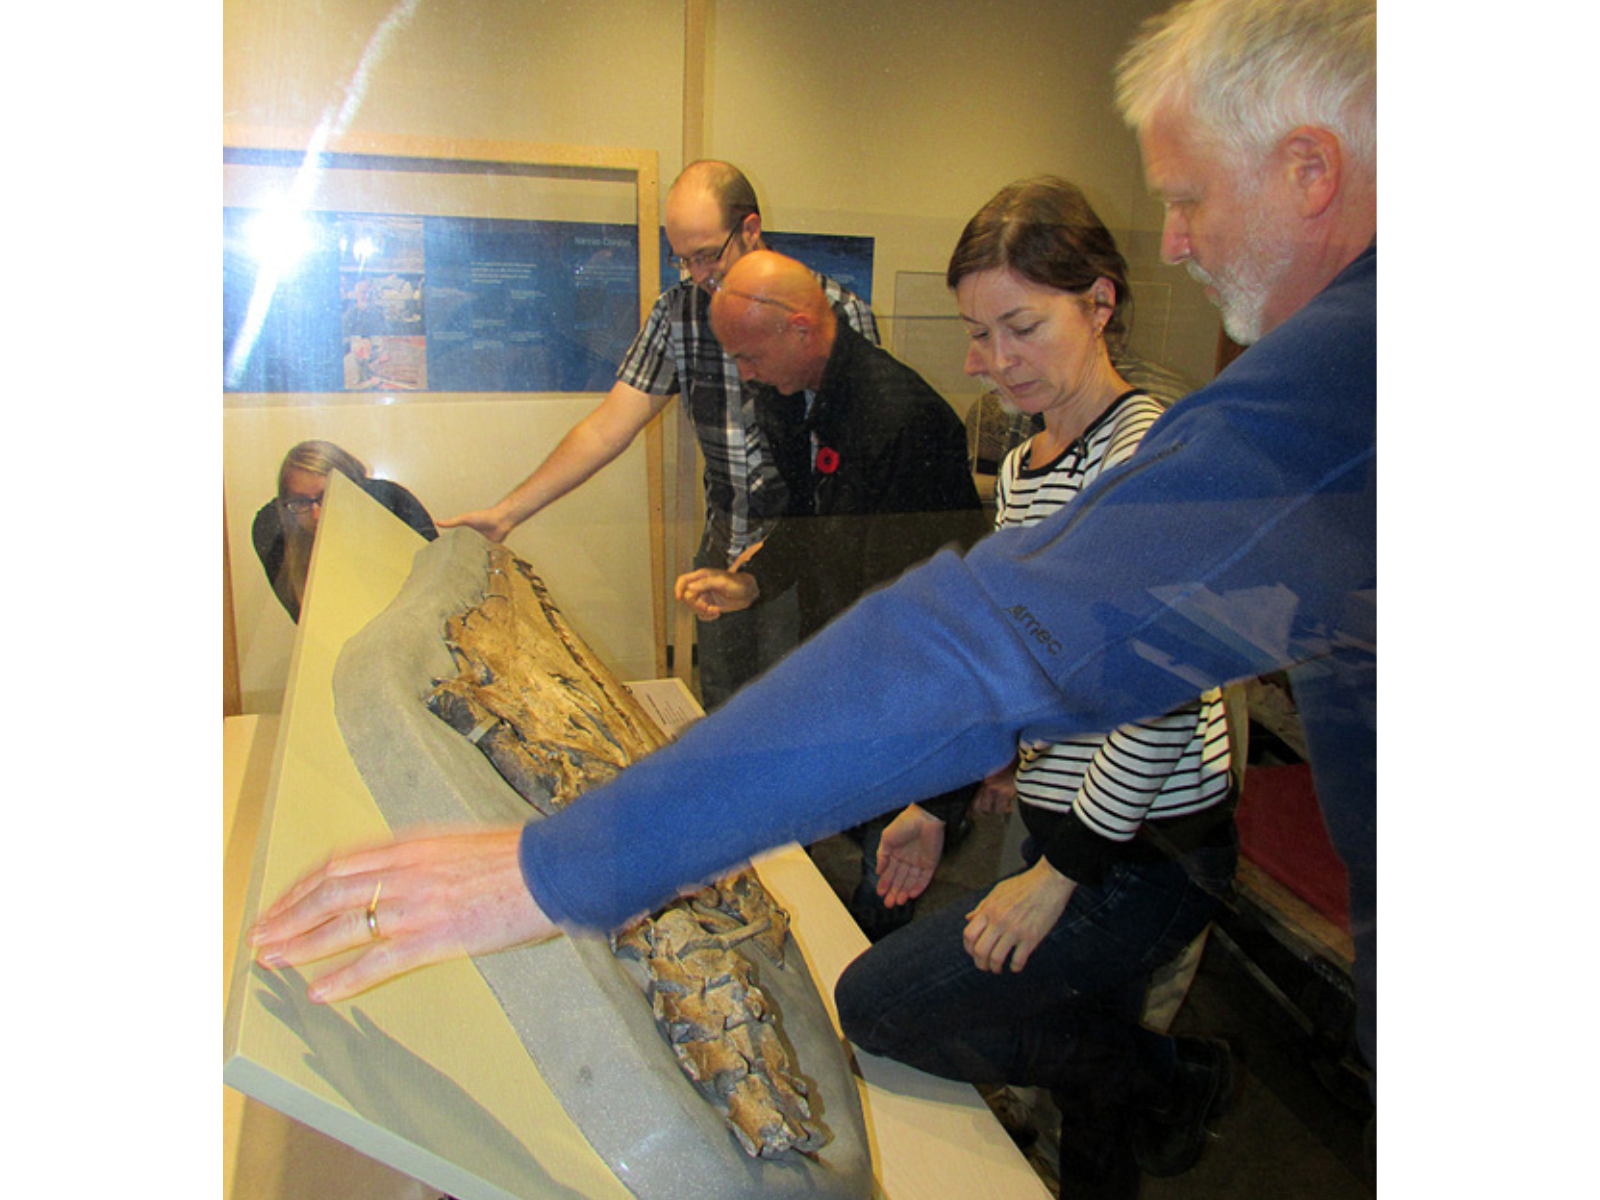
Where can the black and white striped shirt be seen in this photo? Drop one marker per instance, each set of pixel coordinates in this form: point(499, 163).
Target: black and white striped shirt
point(1165, 767)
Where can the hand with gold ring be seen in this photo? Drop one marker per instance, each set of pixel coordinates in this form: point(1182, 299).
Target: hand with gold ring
point(445, 894)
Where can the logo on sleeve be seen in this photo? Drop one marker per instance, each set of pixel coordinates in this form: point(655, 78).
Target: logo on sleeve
point(1031, 628)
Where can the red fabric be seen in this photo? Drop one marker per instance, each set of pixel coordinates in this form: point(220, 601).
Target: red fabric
point(1281, 831)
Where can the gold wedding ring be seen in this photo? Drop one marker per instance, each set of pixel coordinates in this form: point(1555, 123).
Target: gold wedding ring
point(372, 911)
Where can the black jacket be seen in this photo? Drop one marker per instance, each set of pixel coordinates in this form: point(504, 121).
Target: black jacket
point(884, 485)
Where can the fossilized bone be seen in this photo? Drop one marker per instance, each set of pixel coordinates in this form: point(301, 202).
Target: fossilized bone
point(555, 722)
point(548, 714)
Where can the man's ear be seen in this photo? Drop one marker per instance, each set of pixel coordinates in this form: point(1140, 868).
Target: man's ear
point(1314, 160)
point(750, 231)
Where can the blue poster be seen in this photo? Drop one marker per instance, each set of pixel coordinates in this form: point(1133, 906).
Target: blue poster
point(847, 260)
point(352, 302)
point(529, 306)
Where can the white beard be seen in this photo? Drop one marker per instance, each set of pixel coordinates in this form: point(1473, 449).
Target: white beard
point(1242, 294)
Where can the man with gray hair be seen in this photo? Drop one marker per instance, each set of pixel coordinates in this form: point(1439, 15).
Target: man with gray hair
point(1239, 538)
point(1249, 116)
point(1257, 123)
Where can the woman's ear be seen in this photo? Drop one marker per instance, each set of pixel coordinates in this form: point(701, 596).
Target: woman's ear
point(1103, 298)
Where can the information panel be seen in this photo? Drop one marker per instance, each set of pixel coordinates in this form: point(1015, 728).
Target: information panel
point(358, 302)
point(353, 302)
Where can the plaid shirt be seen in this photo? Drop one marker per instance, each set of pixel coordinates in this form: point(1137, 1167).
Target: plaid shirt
point(676, 352)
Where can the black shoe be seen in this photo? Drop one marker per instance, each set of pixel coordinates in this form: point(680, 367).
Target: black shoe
point(1169, 1142)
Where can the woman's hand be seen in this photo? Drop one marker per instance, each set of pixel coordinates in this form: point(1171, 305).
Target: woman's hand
point(418, 900)
point(997, 792)
point(710, 592)
point(908, 854)
point(1014, 917)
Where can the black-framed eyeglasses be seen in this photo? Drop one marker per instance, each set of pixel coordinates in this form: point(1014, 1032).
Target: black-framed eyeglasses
point(299, 506)
point(703, 258)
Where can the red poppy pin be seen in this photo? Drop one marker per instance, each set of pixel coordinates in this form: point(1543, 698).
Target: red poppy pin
point(827, 460)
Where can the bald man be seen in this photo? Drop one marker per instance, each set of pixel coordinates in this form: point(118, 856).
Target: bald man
point(874, 460)
point(875, 464)
point(712, 220)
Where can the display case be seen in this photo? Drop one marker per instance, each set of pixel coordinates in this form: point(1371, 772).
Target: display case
point(429, 1075)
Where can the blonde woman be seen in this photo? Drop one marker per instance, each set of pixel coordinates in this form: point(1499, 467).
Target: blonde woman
point(286, 528)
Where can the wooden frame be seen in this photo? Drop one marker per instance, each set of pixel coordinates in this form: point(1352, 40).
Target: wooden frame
point(392, 152)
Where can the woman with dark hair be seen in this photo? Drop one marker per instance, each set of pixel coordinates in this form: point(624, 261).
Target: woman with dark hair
point(285, 528)
point(1040, 982)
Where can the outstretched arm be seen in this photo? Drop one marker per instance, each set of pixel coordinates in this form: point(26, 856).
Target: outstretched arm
point(589, 445)
point(1169, 575)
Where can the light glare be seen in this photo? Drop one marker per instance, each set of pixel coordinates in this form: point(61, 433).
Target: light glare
point(278, 240)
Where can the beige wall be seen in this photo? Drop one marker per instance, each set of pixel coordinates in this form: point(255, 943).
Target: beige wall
point(593, 72)
point(897, 119)
point(889, 118)
point(893, 119)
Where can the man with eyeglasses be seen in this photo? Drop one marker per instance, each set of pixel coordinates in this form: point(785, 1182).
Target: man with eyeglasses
point(712, 220)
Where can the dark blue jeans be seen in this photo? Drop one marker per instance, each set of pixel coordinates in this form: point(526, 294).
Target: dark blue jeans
point(1069, 1021)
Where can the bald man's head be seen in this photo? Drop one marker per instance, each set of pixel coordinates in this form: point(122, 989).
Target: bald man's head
point(773, 318)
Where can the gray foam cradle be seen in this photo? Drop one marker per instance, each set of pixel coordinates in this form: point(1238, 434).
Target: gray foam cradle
point(579, 1011)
